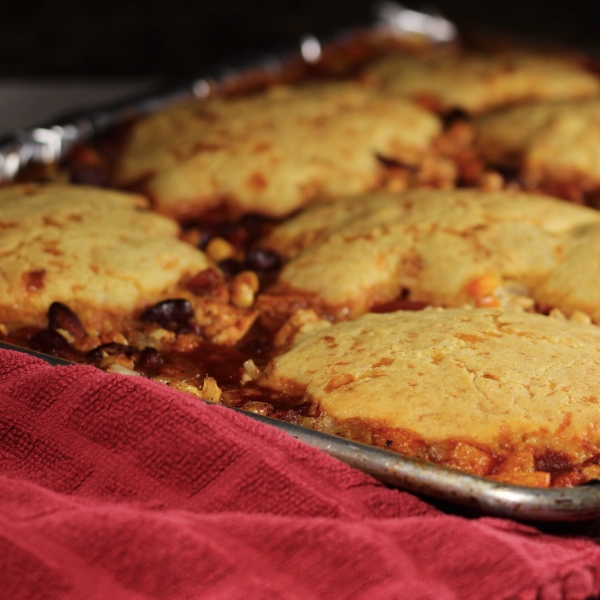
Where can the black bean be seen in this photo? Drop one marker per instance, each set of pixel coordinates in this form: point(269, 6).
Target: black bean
point(262, 259)
point(112, 349)
point(60, 316)
point(150, 361)
point(253, 225)
point(51, 342)
point(230, 266)
point(170, 314)
point(208, 231)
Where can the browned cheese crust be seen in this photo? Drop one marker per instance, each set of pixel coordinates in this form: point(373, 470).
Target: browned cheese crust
point(444, 248)
point(96, 250)
point(550, 143)
point(479, 387)
point(273, 152)
point(479, 82)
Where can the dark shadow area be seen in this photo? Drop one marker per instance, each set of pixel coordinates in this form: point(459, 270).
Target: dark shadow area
point(173, 38)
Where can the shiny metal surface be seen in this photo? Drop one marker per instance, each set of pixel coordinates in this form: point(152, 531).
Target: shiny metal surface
point(484, 495)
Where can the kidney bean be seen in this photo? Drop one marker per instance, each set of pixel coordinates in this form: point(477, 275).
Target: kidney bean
point(205, 282)
point(553, 460)
point(262, 259)
point(253, 225)
point(170, 314)
point(60, 316)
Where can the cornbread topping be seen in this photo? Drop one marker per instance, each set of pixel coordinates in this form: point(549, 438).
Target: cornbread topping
point(444, 248)
point(494, 393)
point(476, 83)
point(551, 144)
point(97, 250)
point(273, 152)
point(303, 208)
point(104, 255)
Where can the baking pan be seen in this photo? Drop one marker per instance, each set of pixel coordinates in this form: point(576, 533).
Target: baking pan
point(482, 495)
point(49, 143)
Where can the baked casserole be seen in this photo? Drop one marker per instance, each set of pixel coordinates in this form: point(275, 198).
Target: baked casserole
point(371, 257)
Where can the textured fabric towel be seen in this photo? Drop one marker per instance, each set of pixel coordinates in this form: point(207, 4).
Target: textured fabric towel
point(119, 487)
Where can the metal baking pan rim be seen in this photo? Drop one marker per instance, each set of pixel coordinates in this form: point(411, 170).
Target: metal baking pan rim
point(483, 495)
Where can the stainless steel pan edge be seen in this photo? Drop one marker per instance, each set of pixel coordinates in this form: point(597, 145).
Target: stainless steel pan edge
point(483, 495)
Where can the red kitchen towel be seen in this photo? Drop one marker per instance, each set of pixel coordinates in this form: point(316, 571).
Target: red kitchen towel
point(117, 487)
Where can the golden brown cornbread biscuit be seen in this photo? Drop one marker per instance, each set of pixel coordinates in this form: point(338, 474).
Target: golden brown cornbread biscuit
point(97, 251)
point(574, 282)
point(504, 381)
point(446, 248)
point(477, 82)
point(549, 142)
point(272, 152)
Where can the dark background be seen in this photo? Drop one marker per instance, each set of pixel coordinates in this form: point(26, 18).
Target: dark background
point(133, 38)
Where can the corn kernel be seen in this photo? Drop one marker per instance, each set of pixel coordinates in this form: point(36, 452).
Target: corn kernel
point(110, 360)
point(482, 286)
point(120, 338)
point(243, 288)
point(118, 368)
point(487, 302)
point(159, 335)
point(219, 249)
point(251, 371)
point(580, 317)
point(67, 335)
point(249, 277)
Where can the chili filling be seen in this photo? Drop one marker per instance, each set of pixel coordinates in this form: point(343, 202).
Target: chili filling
point(186, 361)
point(165, 343)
